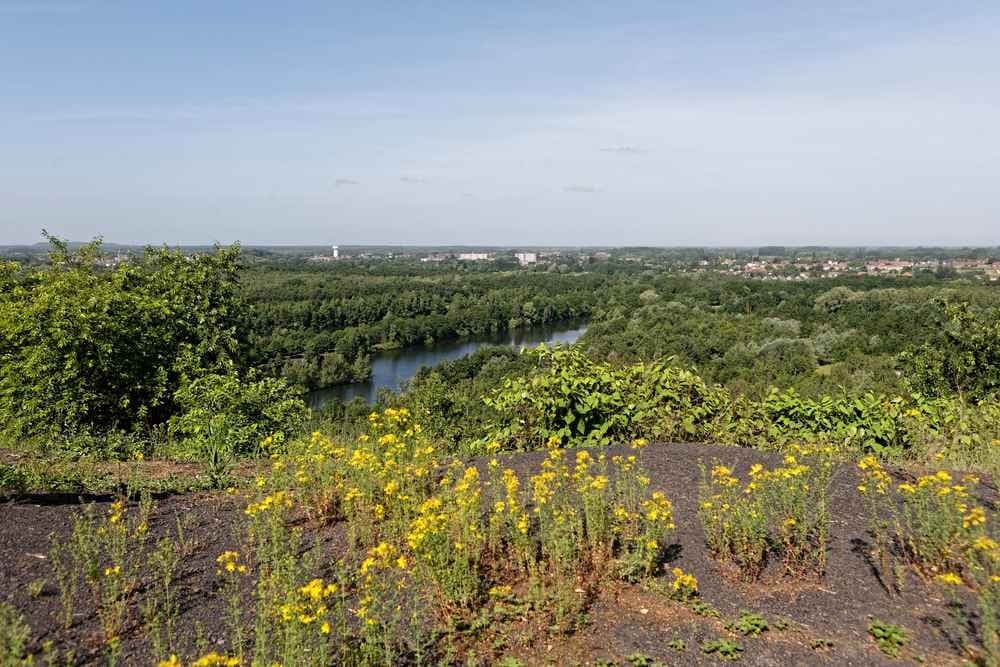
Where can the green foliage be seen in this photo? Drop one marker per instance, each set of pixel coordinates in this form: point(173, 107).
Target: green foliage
point(448, 398)
point(964, 358)
point(222, 416)
point(14, 635)
point(88, 347)
point(890, 638)
point(750, 624)
point(724, 648)
point(571, 398)
point(317, 325)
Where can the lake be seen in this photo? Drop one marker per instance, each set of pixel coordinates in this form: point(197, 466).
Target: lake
point(390, 369)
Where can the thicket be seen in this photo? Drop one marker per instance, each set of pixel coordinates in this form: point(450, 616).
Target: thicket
point(565, 396)
point(90, 348)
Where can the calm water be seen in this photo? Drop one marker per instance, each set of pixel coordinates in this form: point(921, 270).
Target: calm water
point(391, 369)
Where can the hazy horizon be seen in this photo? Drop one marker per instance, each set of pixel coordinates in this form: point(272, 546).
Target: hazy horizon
point(570, 124)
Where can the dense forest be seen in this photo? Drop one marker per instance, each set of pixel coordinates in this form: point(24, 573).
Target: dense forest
point(318, 325)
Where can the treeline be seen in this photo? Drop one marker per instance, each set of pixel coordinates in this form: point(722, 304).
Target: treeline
point(319, 327)
point(818, 337)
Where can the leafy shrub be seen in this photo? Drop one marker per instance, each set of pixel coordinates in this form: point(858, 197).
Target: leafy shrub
point(965, 357)
point(579, 401)
point(571, 398)
point(88, 348)
point(222, 416)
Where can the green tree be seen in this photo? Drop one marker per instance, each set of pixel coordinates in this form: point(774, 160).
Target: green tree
point(964, 358)
point(90, 344)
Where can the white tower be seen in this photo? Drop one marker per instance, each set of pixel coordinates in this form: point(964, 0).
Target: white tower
point(336, 252)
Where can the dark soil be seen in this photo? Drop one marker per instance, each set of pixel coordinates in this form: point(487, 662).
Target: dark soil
point(622, 621)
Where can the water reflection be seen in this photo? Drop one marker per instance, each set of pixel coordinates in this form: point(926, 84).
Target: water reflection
point(391, 369)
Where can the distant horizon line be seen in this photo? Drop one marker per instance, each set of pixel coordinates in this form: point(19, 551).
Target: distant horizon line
point(514, 246)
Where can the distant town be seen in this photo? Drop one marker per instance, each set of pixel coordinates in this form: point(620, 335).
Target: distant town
point(763, 263)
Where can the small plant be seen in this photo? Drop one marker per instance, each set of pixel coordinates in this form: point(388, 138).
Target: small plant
point(677, 644)
point(890, 638)
point(61, 556)
point(750, 624)
point(875, 484)
point(725, 648)
point(14, 635)
point(781, 512)
point(161, 607)
point(642, 660)
point(36, 586)
point(938, 521)
point(734, 522)
point(232, 570)
point(705, 609)
point(821, 644)
point(797, 505)
point(684, 587)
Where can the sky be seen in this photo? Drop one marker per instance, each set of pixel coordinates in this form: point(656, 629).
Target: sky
point(501, 123)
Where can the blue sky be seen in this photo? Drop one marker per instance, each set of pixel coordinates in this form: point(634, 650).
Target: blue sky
point(655, 123)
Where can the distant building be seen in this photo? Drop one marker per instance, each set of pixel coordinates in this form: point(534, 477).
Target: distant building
point(526, 258)
point(473, 256)
point(336, 252)
point(888, 266)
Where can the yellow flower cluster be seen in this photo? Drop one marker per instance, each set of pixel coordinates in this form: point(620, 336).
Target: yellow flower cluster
point(429, 522)
point(875, 480)
point(941, 528)
point(229, 562)
point(309, 605)
point(950, 578)
point(116, 512)
point(547, 483)
point(212, 659)
point(385, 556)
point(658, 510)
point(788, 500)
point(684, 586)
point(276, 501)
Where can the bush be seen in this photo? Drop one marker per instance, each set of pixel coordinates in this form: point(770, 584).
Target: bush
point(571, 398)
point(224, 416)
point(86, 348)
